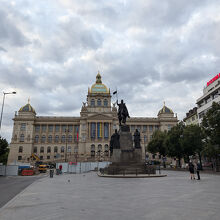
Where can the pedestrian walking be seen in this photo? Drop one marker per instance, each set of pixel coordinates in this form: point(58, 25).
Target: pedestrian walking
point(191, 170)
point(60, 168)
point(197, 170)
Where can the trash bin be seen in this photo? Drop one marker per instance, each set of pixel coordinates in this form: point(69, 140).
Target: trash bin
point(51, 173)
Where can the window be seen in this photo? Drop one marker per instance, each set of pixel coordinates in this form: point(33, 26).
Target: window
point(37, 128)
point(106, 130)
point(44, 128)
point(92, 102)
point(28, 138)
point(144, 128)
point(23, 127)
point(43, 139)
point(70, 139)
point(57, 128)
point(169, 127)
point(99, 102)
point(93, 130)
point(42, 149)
point(156, 127)
point(145, 138)
point(63, 139)
point(69, 149)
point(75, 150)
point(56, 138)
point(106, 150)
point(64, 127)
point(35, 149)
point(132, 128)
point(151, 128)
point(20, 150)
point(83, 137)
point(21, 138)
point(76, 132)
point(105, 102)
point(70, 127)
point(139, 128)
point(41, 157)
point(62, 149)
point(48, 149)
point(50, 128)
point(92, 150)
point(55, 149)
point(48, 157)
point(36, 139)
point(15, 138)
point(99, 149)
point(19, 157)
point(153, 156)
point(50, 139)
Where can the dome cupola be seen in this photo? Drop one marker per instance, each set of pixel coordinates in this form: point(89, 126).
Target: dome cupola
point(165, 110)
point(27, 108)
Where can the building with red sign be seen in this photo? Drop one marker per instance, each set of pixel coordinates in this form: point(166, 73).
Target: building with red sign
point(211, 93)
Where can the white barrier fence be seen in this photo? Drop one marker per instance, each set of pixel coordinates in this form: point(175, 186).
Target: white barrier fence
point(10, 170)
point(81, 167)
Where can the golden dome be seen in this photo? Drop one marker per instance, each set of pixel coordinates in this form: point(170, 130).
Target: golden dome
point(165, 110)
point(99, 87)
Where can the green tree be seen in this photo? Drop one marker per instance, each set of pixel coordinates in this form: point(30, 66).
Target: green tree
point(173, 142)
point(4, 150)
point(211, 128)
point(192, 141)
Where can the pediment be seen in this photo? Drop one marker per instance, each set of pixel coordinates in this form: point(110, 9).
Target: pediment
point(99, 117)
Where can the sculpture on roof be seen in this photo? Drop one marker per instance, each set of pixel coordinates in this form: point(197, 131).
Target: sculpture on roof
point(122, 112)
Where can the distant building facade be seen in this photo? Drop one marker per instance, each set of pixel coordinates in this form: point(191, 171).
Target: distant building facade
point(191, 117)
point(211, 93)
point(83, 138)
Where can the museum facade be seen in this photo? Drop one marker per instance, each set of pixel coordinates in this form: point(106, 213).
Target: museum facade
point(83, 138)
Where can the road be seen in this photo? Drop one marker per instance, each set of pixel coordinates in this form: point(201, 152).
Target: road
point(10, 186)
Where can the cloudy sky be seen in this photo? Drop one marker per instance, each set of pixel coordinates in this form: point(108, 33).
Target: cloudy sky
point(151, 50)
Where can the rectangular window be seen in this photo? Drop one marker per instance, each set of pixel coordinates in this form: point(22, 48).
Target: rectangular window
point(83, 137)
point(70, 127)
point(57, 128)
point(37, 128)
point(144, 128)
point(132, 128)
point(48, 157)
point(44, 128)
point(139, 128)
point(151, 128)
point(106, 130)
point(23, 127)
point(156, 127)
point(64, 127)
point(19, 157)
point(50, 128)
point(93, 130)
point(169, 127)
point(99, 127)
point(145, 138)
point(41, 157)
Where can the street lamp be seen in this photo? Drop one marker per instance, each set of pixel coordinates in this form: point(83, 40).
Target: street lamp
point(4, 93)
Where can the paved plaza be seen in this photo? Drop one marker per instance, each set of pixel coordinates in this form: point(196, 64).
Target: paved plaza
point(89, 197)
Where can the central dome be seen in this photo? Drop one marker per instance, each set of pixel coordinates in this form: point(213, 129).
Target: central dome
point(99, 87)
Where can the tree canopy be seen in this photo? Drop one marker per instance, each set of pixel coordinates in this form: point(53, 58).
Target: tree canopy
point(3, 150)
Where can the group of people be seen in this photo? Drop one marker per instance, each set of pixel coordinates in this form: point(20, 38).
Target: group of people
point(194, 168)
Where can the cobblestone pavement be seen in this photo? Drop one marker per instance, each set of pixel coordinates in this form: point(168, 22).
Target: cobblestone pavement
point(89, 197)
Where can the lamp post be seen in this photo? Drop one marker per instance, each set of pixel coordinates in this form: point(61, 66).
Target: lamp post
point(3, 102)
point(66, 131)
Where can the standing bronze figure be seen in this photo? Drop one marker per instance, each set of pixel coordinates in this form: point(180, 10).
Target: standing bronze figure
point(114, 142)
point(122, 112)
point(137, 139)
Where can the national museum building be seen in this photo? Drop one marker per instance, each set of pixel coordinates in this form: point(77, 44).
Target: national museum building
point(83, 138)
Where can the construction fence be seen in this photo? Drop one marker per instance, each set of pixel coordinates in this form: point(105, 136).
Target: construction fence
point(10, 170)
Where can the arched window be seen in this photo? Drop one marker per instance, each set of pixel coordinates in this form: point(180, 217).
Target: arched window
point(63, 138)
point(70, 139)
point(48, 149)
point(36, 139)
point(35, 149)
point(99, 102)
point(43, 139)
point(69, 149)
point(42, 149)
point(106, 150)
point(62, 149)
point(105, 102)
point(56, 138)
point(55, 149)
point(50, 139)
point(92, 102)
point(22, 138)
point(20, 150)
point(92, 150)
point(99, 149)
